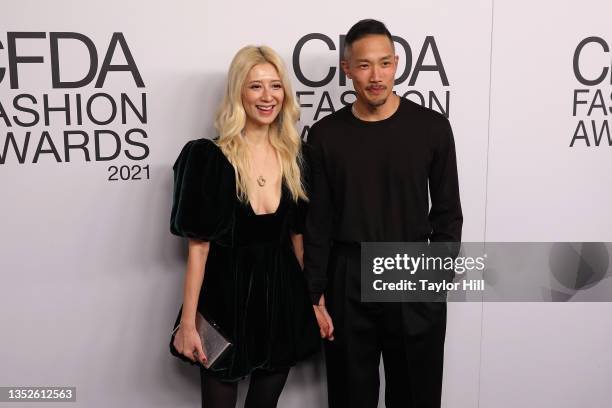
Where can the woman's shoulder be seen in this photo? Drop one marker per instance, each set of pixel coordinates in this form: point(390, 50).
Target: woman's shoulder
point(203, 152)
point(201, 147)
point(204, 192)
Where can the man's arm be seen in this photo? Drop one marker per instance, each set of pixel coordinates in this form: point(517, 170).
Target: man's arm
point(317, 234)
point(445, 215)
point(318, 226)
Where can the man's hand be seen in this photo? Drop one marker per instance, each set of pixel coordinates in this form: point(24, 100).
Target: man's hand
point(324, 320)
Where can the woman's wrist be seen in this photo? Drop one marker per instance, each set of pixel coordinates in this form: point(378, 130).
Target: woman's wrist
point(188, 323)
point(188, 319)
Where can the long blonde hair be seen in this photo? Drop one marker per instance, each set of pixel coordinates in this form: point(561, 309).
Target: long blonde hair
point(231, 120)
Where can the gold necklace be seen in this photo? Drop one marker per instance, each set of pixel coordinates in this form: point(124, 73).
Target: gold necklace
point(261, 181)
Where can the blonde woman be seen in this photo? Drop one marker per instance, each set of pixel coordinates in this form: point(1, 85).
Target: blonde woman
point(240, 202)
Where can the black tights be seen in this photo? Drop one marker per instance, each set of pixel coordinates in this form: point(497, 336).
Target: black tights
point(264, 390)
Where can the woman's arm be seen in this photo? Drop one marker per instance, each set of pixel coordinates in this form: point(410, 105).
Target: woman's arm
point(323, 319)
point(298, 248)
point(187, 341)
point(194, 277)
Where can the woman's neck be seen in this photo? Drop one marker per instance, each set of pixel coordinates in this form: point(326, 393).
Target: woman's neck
point(257, 135)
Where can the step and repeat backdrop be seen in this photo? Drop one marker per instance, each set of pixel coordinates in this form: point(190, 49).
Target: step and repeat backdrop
point(97, 99)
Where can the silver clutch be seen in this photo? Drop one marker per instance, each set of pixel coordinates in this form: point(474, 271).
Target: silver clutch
point(214, 343)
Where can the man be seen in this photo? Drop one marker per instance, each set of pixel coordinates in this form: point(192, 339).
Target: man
point(372, 167)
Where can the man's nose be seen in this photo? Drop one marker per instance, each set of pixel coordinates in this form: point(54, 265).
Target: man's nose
point(375, 75)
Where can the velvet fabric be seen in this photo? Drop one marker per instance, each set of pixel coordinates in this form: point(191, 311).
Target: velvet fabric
point(253, 288)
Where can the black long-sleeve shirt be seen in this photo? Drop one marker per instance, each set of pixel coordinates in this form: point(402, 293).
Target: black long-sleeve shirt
point(369, 183)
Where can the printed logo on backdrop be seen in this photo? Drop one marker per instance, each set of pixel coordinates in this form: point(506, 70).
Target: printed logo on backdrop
point(592, 103)
point(318, 94)
point(58, 108)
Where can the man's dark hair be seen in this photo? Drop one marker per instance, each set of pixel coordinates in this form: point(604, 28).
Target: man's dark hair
point(365, 27)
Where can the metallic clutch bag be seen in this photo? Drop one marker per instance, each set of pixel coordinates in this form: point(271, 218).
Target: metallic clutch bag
point(214, 343)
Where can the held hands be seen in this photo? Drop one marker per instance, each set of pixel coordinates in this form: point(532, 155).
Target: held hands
point(324, 320)
point(187, 342)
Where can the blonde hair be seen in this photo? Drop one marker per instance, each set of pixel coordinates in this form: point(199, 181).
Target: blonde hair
point(231, 120)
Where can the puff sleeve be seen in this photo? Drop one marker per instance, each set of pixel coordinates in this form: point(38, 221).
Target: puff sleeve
point(204, 193)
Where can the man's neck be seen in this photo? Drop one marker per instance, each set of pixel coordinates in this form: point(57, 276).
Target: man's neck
point(369, 113)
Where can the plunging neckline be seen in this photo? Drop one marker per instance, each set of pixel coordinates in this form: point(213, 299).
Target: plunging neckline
point(280, 200)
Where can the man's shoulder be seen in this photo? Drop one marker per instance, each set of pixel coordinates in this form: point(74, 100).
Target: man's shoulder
point(423, 113)
point(432, 124)
point(331, 121)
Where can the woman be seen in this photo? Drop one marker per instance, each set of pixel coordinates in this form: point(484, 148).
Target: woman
point(240, 201)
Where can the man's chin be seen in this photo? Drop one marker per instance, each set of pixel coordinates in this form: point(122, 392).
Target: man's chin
point(375, 103)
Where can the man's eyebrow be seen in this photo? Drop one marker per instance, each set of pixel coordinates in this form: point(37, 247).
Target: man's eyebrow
point(381, 58)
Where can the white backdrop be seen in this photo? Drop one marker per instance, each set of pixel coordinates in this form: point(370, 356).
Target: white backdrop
point(541, 189)
point(93, 278)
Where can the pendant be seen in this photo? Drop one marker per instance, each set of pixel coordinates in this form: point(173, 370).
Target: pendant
point(261, 181)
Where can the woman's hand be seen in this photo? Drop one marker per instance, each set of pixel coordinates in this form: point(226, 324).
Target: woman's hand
point(187, 342)
point(326, 325)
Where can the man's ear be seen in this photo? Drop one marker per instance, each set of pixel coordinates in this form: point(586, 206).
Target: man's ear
point(345, 67)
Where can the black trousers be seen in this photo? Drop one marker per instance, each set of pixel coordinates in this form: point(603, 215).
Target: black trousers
point(410, 338)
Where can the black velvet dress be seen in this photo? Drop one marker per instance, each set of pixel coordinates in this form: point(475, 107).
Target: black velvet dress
point(253, 288)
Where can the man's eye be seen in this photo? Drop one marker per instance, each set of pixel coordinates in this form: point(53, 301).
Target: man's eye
point(363, 66)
